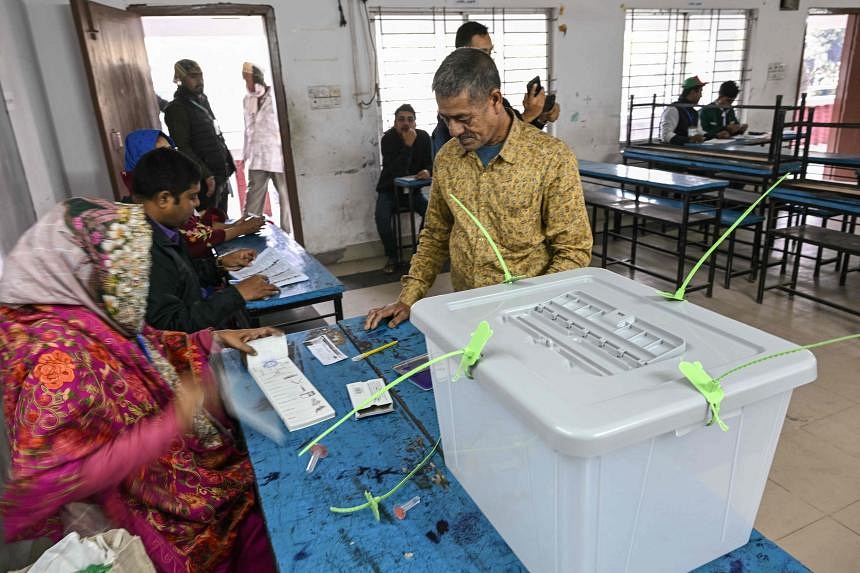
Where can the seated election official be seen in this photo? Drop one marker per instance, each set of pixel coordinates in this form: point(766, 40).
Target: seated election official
point(185, 294)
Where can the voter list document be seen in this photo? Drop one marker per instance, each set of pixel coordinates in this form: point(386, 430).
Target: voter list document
point(294, 398)
point(270, 263)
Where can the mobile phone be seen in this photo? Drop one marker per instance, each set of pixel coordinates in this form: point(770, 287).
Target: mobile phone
point(423, 379)
point(534, 81)
point(550, 101)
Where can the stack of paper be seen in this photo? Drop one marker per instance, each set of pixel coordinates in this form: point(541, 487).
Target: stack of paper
point(271, 264)
point(294, 398)
point(359, 392)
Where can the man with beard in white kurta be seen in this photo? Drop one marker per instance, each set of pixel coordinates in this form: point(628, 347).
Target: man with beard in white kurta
point(262, 155)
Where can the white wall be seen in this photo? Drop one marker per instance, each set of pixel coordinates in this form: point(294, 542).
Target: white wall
point(335, 150)
point(23, 92)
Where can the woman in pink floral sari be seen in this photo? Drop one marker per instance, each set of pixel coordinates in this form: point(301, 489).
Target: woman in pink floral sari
point(103, 409)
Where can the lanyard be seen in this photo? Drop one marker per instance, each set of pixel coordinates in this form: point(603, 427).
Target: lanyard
point(208, 114)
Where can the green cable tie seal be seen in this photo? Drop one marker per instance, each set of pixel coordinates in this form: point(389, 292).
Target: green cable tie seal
point(708, 387)
point(473, 350)
point(713, 392)
point(373, 501)
point(376, 395)
point(476, 345)
point(786, 352)
point(679, 294)
point(508, 278)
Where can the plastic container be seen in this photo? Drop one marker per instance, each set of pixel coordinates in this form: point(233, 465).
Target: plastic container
point(579, 438)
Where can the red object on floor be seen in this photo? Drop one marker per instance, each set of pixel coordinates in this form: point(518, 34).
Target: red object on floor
point(242, 188)
point(241, 183)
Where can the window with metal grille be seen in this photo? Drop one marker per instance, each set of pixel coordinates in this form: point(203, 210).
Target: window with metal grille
point(662, 47)
point(410, 45)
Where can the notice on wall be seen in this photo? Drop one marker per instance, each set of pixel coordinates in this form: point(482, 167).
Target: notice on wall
point(775, 71)
point(324, 97)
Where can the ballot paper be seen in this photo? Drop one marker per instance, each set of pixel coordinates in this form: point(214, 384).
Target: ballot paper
point(325, 350)
point(294, 398)
point(359, 392)
point(271, 264)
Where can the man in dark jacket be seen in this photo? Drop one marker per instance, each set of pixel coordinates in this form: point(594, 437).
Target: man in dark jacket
point(182, 293)
point(405, 151)
point(193, 127)
point(679, 123)
point(476, 35)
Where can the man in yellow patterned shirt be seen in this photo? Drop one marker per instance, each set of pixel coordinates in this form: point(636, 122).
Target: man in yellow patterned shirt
point(521, 183)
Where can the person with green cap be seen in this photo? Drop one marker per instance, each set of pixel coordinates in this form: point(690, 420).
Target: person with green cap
point(680, 121)
point(194, 129)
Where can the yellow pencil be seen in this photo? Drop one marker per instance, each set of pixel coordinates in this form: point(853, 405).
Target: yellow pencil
point(364, 355)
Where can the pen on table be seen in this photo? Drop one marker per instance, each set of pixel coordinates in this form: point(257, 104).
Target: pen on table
point(364, 355)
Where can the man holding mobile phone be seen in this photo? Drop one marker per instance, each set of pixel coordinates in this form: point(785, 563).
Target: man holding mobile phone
point(535, 109)
point(522, 183)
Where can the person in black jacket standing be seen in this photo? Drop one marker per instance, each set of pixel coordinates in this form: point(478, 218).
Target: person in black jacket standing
point(195, 131)
point(405, 151)
point(185, 294)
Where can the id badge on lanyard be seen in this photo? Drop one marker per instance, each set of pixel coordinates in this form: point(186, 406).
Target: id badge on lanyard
point(210, 116)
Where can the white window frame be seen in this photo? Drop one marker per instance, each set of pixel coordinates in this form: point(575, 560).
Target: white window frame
point(409, 80)
point(659, 57)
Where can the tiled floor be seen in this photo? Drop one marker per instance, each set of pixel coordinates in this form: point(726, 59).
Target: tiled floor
point(811, 504)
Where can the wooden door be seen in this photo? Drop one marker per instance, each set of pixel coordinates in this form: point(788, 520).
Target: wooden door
point(119, 78)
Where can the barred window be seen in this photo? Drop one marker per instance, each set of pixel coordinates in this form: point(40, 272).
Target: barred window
point(411, 44)
point(662, 47)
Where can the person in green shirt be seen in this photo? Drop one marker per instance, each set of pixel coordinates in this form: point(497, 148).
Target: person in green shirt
point(719, 119)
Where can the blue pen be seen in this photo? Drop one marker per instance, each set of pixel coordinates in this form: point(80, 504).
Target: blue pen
point(142, 343)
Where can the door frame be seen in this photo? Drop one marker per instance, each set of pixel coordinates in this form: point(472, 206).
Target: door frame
point(268, 14)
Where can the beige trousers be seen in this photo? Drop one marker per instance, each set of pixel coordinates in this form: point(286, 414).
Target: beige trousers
point(258, 186)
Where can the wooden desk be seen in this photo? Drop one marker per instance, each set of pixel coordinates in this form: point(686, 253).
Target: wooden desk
point(445, 532)
point(700, 194)
point(834, 159)
point(374, 454)
point(649, 178)
point(321, 286)
point(818, 157)
point(741, 162)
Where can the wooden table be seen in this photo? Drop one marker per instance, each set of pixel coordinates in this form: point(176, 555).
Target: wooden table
point(700, 202)
point(321, 286)
point(741, 162)
point(445, 532)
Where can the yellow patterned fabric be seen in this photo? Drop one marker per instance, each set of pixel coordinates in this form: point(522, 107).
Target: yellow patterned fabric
point(529, 198)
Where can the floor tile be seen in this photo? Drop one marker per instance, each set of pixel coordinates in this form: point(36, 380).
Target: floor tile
point(849, 517)
point(817, 472)
point(825, 546)
point(839, 430)
point(782, 513)
point(812, 402)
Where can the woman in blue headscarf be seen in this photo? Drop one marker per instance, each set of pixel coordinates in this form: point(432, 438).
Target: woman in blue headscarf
point(136, 144)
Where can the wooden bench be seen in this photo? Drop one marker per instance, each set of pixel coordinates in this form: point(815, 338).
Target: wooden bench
point(805, 198)
point(670, 212)
point(846, 243)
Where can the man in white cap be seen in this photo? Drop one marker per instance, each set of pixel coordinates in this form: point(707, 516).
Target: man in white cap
point(195, 131)
point(263, 156)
